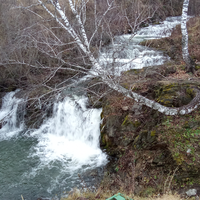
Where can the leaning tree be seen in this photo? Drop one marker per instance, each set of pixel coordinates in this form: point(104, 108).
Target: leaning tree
point(70, 18)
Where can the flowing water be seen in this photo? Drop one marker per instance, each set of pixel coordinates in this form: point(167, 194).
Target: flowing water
point(47, 161)
point(125, 53)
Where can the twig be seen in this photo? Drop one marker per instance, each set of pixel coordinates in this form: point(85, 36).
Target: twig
point(169, 180)
point(172, 178)
point(164, 190)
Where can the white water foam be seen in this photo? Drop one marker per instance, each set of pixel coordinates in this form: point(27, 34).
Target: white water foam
point(160, 30)
point(8, 116)
point(126, 54)
point(71, 136)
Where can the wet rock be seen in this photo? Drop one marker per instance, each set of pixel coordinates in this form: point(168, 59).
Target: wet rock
point(144, 140)
point(191, 192)
point(113, 125)
point(93, 173)
point(125, 108)
point(137, 108)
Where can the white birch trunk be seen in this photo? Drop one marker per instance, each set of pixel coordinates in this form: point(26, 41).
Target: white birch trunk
point(153, 104)
point(185, 53)
point(83, 11)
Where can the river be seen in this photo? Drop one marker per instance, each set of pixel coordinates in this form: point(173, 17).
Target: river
point(46, 162)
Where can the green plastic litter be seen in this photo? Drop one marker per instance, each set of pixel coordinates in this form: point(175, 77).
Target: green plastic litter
point(118, 196)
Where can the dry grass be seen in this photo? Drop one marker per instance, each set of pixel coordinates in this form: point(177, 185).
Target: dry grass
point(179, 74)
point(164, 197)
point(104, 195)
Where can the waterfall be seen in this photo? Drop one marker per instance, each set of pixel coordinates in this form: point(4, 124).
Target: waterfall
point(47, 161)
point(71, 135)
point(126, 53)
point(10, 125)
point(160, 30)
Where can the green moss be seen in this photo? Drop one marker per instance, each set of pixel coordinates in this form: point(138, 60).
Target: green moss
point(105, 141)
point(179, 159)
point(102, 114)
point(186, 124)
point(181, 135)
point(148, 192)
point(197, 67)
point(169, 94)
point(165, 94)
point(166, 100)
point(136, 123)
point(126, 121)
point(125, 85)
point(190, 92)
point(153, 133)
point(136, 140)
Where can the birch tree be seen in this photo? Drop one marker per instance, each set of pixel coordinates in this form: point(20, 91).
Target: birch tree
point(190, 65)
point(76, 28)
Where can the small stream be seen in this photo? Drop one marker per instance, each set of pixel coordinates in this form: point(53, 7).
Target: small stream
point(44, 163)
point(125, 53)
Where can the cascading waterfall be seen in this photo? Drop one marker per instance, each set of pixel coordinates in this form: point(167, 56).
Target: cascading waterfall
point(8, 116)
point(71, 136)
point(47, 161)
point(126, 54)
point(160, 30)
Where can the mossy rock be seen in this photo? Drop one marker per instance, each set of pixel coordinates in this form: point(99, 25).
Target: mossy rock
point(128, 121)
point(113, 125)
point(105, 141)
point(144, 139)
point(174, 94)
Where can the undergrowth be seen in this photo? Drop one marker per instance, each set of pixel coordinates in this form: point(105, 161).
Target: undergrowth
point(106, 194)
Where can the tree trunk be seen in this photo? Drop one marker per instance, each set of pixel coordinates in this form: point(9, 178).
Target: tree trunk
point(190, 64)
